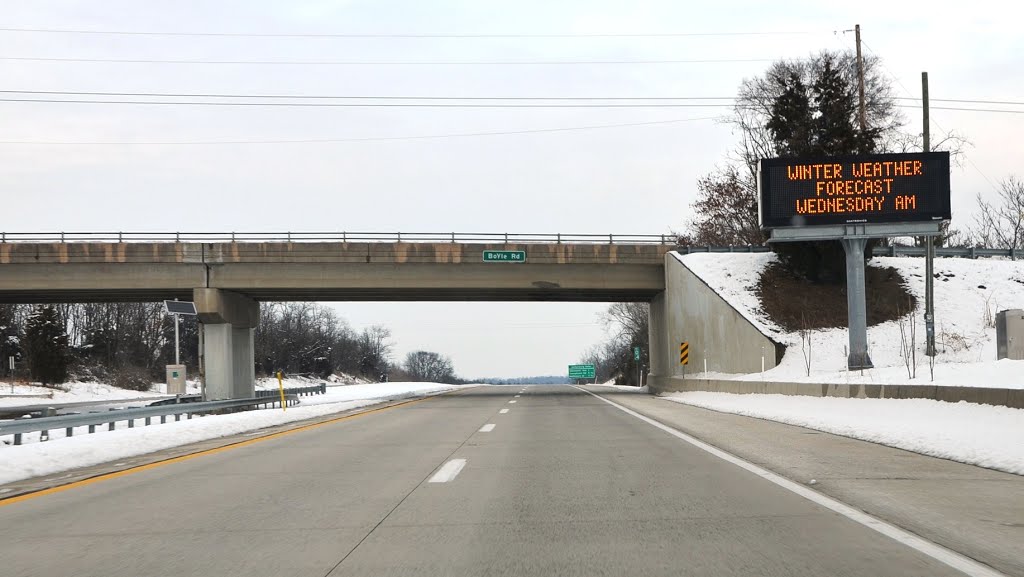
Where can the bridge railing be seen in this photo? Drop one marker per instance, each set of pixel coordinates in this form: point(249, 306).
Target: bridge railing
point(341, 236)
point(454, 237)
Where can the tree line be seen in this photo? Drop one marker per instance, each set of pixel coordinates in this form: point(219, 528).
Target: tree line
point(129, 344)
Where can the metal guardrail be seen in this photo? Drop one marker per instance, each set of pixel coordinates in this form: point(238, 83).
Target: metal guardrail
point(339, 236)
point(44, 425)
point(320, 389)
point(895, 250)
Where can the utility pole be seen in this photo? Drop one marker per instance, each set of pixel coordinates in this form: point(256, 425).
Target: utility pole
point(860, 82)
point(929, 251)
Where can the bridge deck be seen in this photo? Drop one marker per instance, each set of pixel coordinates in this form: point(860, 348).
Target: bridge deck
point(87, 271)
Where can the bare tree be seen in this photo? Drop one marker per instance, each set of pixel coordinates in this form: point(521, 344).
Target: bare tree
point(999, 222)
point(430, 367)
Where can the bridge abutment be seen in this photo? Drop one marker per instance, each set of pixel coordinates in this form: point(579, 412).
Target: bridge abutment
point(720, 338)
point(229, 321)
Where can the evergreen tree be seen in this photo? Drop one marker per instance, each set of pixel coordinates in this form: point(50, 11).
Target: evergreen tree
point(791, 118)
point(10, 344)
point(46, 341)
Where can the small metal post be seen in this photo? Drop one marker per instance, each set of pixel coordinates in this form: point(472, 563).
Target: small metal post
point(131, 423)
point(92, 428)
point(17, 438)
point(147, 421)
point(68, 432)
point(163, 419)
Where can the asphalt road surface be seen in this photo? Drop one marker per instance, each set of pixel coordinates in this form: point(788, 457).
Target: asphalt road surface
point(561, 484)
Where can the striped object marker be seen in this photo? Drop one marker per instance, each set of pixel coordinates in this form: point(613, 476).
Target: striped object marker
point(684, 353)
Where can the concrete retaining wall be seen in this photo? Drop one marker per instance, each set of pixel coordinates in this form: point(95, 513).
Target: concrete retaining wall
point(982, 395)
point(689, 310)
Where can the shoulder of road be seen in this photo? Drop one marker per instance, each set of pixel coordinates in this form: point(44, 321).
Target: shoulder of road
point(975, 511)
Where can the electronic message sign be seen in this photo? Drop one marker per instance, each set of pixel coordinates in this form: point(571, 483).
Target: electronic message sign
point(878, 188)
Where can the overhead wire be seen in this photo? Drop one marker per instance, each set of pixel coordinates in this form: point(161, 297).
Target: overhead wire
point(400, 35)
point(385, 62)
point(363, 139)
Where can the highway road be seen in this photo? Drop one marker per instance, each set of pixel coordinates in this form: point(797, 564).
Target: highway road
point(487, 481)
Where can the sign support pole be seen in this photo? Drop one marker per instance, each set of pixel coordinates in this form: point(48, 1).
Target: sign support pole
point(929, 251)
point(856, 303)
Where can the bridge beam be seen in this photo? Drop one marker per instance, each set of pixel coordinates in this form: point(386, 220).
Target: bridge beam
point(229, 321)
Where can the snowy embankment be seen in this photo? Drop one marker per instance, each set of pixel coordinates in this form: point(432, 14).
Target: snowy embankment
point(968, 294)
point(982, 435)
point(60, 454)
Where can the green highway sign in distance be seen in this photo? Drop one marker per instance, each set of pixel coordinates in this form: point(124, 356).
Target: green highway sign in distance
point(504, 256)
point(581, 371)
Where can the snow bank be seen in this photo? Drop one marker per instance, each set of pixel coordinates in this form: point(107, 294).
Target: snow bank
point(968, 294)
point(60, 454)
point(983, 435)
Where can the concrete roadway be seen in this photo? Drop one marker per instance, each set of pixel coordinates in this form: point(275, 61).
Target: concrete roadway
point(564, 484)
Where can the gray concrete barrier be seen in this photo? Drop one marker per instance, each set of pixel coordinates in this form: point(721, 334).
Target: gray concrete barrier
point(1013, 398)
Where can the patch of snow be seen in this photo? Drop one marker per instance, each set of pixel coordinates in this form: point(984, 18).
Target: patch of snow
point(981, 435)
point(60, 454)
point(968, 294)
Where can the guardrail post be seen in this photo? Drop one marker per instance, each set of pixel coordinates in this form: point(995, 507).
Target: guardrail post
point(344, 238)
point(1013, 254)
point(177, 237)
point(92, 428)
point(559, 237)
point(974, 253)
point(506, 238)
point(611, 239)
point(232, 237)
point(120, 237)
point(453, 238)
point(110, 426)
point(3, 237)
point(62, 237)
point(399, 236)
point(289, 236)
point(68, 432)
point(17, 438)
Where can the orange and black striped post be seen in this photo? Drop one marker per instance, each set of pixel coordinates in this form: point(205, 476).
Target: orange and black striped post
point(684, 353)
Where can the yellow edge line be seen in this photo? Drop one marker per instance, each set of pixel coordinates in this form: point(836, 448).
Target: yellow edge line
point(148, 466)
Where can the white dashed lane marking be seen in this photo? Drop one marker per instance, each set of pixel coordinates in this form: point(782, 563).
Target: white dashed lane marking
point(503, 411)
point(449, 471)
point(487, 428)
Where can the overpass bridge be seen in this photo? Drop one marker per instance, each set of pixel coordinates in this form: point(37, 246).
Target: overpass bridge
point(229, 274)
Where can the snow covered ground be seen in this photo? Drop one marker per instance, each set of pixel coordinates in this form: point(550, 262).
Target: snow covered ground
point(72, 393)
point(60, 454)
point(968, 294)
point(982, 435)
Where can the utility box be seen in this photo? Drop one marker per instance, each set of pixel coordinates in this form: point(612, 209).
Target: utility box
point(1010, 334)
point(176, 380)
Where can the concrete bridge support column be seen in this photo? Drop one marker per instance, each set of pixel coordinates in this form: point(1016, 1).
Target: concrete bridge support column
point(229, 320)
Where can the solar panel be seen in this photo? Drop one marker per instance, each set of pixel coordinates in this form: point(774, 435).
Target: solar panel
point(180, 307)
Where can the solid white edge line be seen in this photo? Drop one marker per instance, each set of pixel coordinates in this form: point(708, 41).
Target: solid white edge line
point(449, 471)
point(487, 428)
point(941, 554)
point(503, 411)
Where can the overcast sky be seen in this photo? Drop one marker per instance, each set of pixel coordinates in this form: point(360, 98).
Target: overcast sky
point(634, 179)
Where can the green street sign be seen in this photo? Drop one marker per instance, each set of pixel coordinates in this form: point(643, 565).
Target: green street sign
point(636, 353)
point(504, 256)
point(581, 371)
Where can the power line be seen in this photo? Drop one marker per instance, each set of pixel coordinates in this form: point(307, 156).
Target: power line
point(432, 104)
point(362, 97)
point(452, 98)
point(367, 139)
point(399, 35)
point(387, 62)
point(360, 104)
